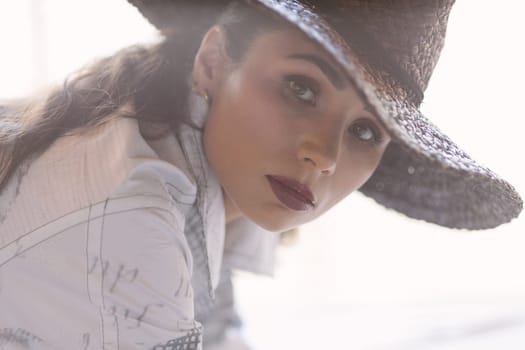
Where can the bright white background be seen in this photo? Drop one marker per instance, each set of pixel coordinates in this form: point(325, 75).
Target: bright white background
point(361, 277)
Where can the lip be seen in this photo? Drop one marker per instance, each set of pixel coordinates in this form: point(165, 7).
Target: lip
point(292, 193)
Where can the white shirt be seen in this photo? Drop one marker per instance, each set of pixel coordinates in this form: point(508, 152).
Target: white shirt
point(109, 241)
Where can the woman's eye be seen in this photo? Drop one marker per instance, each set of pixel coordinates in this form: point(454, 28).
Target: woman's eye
point(365, 132)
point(301, 89)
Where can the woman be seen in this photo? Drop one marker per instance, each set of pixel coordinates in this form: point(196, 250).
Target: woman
point(129, 193)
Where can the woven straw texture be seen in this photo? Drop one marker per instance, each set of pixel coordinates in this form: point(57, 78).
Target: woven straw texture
point(389, 49)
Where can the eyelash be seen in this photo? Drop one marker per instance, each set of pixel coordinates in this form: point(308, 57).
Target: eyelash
point(377, 136)
point(295, 82)
point(306, 83)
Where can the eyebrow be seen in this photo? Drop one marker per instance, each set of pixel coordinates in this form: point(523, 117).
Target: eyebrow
point(328, 69)
point(367, 107)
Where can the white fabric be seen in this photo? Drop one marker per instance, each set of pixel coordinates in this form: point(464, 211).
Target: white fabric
point(94, 242)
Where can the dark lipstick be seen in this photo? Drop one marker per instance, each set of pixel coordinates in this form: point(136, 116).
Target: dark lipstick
point(291, 193)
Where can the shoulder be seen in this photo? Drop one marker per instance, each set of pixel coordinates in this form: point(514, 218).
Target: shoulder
point(110, 163)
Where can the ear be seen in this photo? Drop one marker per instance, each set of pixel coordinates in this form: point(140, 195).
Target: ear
point(211, 61)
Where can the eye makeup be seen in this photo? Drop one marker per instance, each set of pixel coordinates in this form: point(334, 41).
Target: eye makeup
point(305, 90)
point(302, 88)
point(366, 131)
point(328, 69)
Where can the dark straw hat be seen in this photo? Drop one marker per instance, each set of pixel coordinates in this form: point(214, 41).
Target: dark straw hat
point(389, 49)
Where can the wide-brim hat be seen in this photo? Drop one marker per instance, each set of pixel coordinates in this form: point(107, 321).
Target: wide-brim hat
point(388, 49)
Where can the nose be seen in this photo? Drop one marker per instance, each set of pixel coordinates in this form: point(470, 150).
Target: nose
point(320, 152)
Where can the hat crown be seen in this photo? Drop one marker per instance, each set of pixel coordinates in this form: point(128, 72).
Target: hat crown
point(407, 35)
point(412, 32)
point(404, 38)
point(400, 38)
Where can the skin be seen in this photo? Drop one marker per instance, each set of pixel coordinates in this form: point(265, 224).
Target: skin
point(277, 113)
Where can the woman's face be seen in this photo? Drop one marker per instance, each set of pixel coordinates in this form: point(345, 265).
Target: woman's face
point(287, 135)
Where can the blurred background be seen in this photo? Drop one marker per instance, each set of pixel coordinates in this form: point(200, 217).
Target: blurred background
point(361, 277)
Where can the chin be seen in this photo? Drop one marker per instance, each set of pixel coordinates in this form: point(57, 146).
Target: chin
point(274, 217)
point(273, 224)
point(273, 227)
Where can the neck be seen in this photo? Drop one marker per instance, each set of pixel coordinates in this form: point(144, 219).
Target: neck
point(231, 211)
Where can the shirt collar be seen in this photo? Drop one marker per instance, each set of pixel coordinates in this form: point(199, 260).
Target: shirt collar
point(247, 245)
point(209, 198)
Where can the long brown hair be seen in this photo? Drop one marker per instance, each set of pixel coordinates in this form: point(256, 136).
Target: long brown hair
point(154, 78)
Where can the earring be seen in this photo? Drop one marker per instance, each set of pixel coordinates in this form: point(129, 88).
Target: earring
point(203, 94)
point(199, 105)
point(206, 97)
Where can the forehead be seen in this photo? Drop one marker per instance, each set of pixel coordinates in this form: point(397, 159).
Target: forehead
point(287, 42)
point(292, 45)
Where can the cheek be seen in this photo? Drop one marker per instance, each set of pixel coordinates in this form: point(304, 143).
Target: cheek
point(352, 174)
point(244, 123)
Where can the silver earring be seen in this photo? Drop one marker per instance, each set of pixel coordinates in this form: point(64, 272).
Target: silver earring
point(199, 105)
point(206, 97)
point(203, 93)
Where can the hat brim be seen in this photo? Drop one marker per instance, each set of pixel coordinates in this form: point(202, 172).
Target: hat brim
point(422, 174)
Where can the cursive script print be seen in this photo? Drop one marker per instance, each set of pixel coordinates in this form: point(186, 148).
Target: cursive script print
point(124, 274)
point(86, 338)
point(127, 313)
point(118, 275)
point(17, 336)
